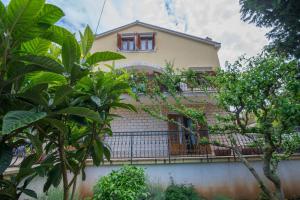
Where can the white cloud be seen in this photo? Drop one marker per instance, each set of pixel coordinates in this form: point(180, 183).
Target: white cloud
point(218, 19)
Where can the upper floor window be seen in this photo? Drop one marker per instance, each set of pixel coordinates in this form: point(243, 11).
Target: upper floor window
point(128, 44)
point(146, 43)
point(136, 42)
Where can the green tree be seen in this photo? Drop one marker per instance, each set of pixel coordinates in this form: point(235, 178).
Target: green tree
point(282, 16)
point(261, 90)
point(52, 97)
point(265, 90)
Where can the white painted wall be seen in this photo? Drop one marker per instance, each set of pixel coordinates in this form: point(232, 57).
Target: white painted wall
point(228, 178)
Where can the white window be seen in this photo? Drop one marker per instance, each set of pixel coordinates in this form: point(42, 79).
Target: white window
point(146, 43)
point(131, 45)
point(150, 42)
point(128, 44)
point(143, 44)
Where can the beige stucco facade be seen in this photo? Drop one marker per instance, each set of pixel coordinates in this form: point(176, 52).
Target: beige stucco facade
point(184, 52)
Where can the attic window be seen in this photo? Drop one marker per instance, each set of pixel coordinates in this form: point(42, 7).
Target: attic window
point(146, 43)
point(128, 44)
point(136, 42)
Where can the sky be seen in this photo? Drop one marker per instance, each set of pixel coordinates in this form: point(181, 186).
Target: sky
point(217, 19)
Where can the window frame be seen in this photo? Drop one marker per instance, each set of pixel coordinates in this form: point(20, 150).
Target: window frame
point(135, 40)
point(148, 39)
point(127, 40)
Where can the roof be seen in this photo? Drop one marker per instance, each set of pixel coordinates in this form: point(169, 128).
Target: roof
point(184, 35)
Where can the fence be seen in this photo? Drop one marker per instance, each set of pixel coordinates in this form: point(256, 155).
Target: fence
point(166, 144)
point(163, 145)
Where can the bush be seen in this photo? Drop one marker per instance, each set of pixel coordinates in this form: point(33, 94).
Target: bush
point(182, 192)
point(156, 192)
point(221, 197)
point(127, 183)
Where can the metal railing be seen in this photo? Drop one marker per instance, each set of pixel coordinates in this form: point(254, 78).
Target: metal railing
point(166, 144)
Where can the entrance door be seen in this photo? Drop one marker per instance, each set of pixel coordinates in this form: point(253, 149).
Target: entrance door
point(177, 143)
point(182, 141)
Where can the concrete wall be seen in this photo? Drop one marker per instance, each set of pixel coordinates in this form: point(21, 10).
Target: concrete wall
point(230, 179)
point(184, 52)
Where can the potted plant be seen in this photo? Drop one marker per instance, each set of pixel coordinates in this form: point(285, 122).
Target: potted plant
point(250, 149)
point(222, 152)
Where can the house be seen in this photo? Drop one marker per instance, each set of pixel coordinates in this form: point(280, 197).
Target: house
point(147, 48)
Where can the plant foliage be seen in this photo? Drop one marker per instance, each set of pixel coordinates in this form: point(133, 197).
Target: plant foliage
point(184, 192)
point(54, 100)
point(129, 182)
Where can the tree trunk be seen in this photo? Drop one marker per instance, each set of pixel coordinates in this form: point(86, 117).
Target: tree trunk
point(272, 175)
point(62, 157)
point(269, 171)
point(261, 183)
point(74, 188)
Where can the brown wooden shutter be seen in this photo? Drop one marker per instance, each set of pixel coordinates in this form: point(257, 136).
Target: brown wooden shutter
point(119, 41)
point(138, 41)
point(153, 41)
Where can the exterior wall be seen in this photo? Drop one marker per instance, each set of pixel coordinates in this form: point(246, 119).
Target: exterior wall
point(232, 179)
point(184, 52)
point(141, 121)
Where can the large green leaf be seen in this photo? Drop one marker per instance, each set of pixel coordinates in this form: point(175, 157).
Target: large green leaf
point(87, 40)
point(17, 119)
point(36, 142)
point(30, 193)
point(61, 93)
point(2, 15)
point(50, 14)
point(36, 95)
point(57, 34)
point(37, 78)
point(45, 62)
point(2, 9)
point(26, 166)
point(81, 111)
point(59, 125)
point(54, 177)
point(70, 53)
point(20, 13)
point(6, 155)
point(36, 46)
point(97, 152)
point(103, 56)
point(123, 105)
point(85, 84)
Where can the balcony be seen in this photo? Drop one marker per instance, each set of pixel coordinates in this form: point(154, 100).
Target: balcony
point(166, 145)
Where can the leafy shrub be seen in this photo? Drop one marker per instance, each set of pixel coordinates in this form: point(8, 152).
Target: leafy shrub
point(182, 192)
point(127, 183)
point(156, 192)
point(221, 197)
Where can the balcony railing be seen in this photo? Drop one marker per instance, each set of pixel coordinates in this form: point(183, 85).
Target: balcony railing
point(166, 144)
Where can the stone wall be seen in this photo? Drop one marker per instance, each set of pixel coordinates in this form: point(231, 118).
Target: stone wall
point(142, 121)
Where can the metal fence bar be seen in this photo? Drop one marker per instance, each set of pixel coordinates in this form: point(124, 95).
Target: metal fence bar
point(164, 145)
